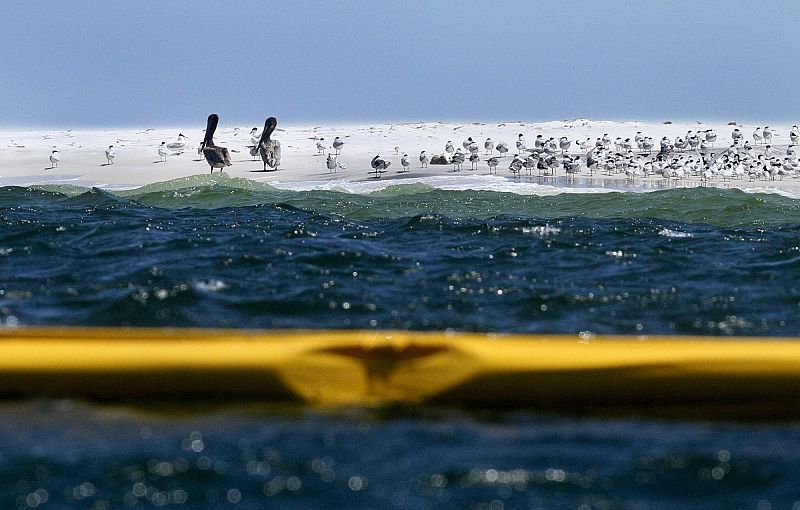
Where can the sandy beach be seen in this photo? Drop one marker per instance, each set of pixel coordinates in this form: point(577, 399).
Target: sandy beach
point(24, 155)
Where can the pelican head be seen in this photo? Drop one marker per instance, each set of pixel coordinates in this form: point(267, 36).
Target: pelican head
point(211, 127)
point(269, 126)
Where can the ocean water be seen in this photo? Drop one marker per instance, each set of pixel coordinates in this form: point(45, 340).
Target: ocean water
point(222, 252)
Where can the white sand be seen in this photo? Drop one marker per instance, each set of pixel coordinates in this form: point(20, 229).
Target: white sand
point(24, 155)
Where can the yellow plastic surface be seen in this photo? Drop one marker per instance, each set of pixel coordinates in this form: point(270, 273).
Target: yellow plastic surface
point(681, 375)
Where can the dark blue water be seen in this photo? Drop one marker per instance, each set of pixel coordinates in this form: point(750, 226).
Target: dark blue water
point(696, 261)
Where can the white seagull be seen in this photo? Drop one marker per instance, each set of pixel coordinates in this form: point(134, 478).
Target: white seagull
point(320, 146)
point(405, 162)
point(337, 145)
point(423, 159)
point(448, 147)
point(163, 152)
point(111, 153)
point(489, 146)
point(178, 146)
point(331, 163)
point(54, 159)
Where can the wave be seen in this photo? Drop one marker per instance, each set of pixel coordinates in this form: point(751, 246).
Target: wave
point(456, 198)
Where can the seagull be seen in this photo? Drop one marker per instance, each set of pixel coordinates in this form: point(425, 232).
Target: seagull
point(473, 159)
point(111, 153)
point(405, 162)
point(379, 165)
point(757, 136)
point(794, 134)
point(448, 147)
point(767, 134)
point(467, 143)
point(337, 145)
point(516, 165)
point(254, 138)
point(423, 159)
point(179, 145)
point(564, 143)
point(502, 148)
point(473, 147)
point(521, 143)
point(397, 150)
point(270, 150)
point(529, 164)
point(457, 160)
point(320, 146)
point(54, 159)
point(331, 163)
point(217, 157)
point(489, 146)
point(163, 152)
point(538, 143)
point(492, 163)
point(606, 140)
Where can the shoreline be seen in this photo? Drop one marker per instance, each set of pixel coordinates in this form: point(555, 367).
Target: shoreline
point(24, 155)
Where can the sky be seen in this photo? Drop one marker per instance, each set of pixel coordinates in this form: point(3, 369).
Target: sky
point(85, 63)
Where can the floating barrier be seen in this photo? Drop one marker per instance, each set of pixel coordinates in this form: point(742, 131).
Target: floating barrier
point(681, 376)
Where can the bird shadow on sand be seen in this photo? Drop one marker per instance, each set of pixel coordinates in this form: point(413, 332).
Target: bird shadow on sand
point(106, 164)
point(263, 171)
point(49, 168)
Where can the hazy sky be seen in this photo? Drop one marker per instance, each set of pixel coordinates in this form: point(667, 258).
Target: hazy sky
point(144, 63)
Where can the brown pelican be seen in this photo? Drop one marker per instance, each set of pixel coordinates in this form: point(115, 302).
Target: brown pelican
point(217, 157)
point(270, 150)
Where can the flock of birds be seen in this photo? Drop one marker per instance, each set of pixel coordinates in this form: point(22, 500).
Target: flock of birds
point(692, 155)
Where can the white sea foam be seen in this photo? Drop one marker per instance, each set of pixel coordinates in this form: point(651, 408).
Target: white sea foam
point(210, 285)
point(667, 232)
point(449, 183)
point(541, 230)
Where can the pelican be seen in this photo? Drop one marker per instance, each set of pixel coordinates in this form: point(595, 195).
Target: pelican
point(163, 152)
point(270, 150)
point(217, 157)
point(405, 162)
point(489, 146)
point(337, 145)
point(111, 153)
point(320, 146)
point(448, 147)
point(54, 159)
point(423, 159)
point(502, 148)
point(331, 163)
point(178, 146)
point(492, 163)
point(379, 165)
